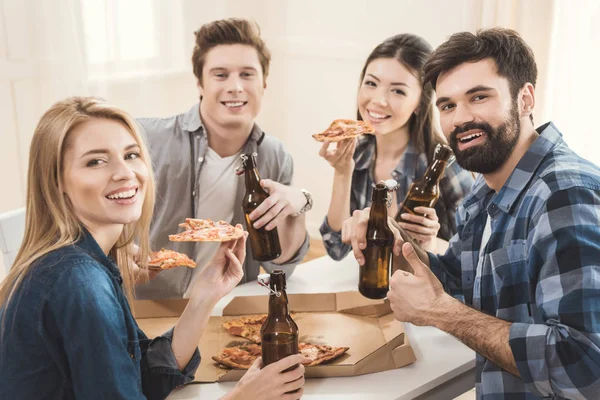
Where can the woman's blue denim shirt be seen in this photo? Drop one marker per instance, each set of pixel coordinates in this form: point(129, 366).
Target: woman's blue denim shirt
point(69, 333)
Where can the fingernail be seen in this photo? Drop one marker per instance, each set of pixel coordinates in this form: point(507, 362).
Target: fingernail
point(404, 215)
point(360, 261)
point(362, 246)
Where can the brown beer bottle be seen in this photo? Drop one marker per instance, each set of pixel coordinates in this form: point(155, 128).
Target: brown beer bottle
point(374, 275)
point(279, 333)
point(425, 192)
point(265, 244)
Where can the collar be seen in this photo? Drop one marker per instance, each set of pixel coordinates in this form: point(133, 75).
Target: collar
point(407, 165)
point(88, 244)
point(517, 182)
point(192, 122)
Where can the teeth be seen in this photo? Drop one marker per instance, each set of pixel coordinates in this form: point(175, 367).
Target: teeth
point(473, 136)
point(122, 195)
point(234, 104)
point(377, 115)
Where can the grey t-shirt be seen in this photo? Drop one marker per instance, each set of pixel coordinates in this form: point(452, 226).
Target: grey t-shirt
point(178, 147)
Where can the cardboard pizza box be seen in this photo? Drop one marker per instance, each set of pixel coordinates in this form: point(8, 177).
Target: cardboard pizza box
point(376, 340)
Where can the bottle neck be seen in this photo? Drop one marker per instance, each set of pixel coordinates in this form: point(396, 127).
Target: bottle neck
point(435, 171)
point(278, 306)
point(379, 205)
point(252, 178)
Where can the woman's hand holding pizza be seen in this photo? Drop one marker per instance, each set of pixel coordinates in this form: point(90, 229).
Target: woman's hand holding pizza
point(341, 156)
point(224, 271)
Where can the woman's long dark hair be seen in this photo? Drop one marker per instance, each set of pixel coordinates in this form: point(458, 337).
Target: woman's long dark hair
point(412, 51)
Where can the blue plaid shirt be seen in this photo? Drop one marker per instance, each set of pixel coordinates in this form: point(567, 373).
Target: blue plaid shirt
point(455, 184)
point(540, 270)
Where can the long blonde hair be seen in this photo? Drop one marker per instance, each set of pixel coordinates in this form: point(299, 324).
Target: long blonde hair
point(50, 222)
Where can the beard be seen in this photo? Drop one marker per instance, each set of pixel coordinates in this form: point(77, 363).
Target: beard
point(497, 148)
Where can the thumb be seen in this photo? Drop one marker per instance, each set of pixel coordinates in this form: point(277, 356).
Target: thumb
point(267, 184)
point(408, 251)
point(256, 365)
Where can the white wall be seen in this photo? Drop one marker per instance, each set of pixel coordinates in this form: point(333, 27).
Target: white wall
point(318, 50)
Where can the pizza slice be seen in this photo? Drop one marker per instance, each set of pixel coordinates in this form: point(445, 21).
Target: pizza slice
point(319, 354)
point(166, 259)
point(242, 356)
point(205, 230)
point(247, 327)
point(342, 129)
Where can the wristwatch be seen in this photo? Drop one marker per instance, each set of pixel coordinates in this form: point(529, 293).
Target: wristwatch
point(307, 206)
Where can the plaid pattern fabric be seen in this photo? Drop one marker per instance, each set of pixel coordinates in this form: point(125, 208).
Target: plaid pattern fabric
point(541, 271)
point(454, 186)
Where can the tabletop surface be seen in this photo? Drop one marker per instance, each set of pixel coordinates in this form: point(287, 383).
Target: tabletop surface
point(440, 357)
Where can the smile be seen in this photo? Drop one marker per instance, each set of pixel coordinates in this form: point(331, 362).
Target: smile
point(467, 139)
point(125, 195)
point(234, 104)
point(377, 116)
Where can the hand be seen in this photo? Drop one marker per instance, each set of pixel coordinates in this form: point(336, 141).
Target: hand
point(423, 228)
point(354, 232)
point(224, 271)
point(270, 383)
point(341, 158)
point(283, 200)
point(413, 297)
point(142, 275)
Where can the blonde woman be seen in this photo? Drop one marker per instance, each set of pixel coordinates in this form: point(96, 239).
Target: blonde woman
point(66, 328)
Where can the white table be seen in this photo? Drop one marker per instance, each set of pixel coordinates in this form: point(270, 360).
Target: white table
point(444, 368)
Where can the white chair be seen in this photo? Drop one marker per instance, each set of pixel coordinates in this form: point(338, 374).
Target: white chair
point(12, 229)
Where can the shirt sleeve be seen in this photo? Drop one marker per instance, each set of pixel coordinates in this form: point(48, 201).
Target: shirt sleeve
point(559, 353)
point(92, 326)
point(333, 242)
point(447, 267)
point(102, 357)
point(160, 373)
point(455, 185)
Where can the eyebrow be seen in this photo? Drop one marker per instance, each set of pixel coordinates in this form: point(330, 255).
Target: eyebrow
point(393, 83)
point(227, 69)
point(478, 88)
point(105, 151)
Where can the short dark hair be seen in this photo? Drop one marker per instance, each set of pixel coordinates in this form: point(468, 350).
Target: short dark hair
point(229, 31)
point(513, 57)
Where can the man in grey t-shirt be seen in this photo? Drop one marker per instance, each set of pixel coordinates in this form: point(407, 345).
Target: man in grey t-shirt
point(194, 153)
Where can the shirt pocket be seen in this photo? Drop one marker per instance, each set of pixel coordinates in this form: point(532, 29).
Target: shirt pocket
point(508, 282)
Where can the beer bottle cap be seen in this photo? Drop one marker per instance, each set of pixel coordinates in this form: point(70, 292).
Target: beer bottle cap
point(391, 184)
point(264, 280)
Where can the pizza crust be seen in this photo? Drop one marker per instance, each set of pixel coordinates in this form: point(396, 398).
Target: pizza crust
point(343, 129)
point(205, 230)
point(167, 259)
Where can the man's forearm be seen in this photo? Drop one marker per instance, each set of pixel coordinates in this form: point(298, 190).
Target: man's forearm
point(483, 333)
point(292, 233)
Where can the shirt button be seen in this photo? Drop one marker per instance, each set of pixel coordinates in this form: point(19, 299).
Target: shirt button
point(200, 159)
point(194, 193)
